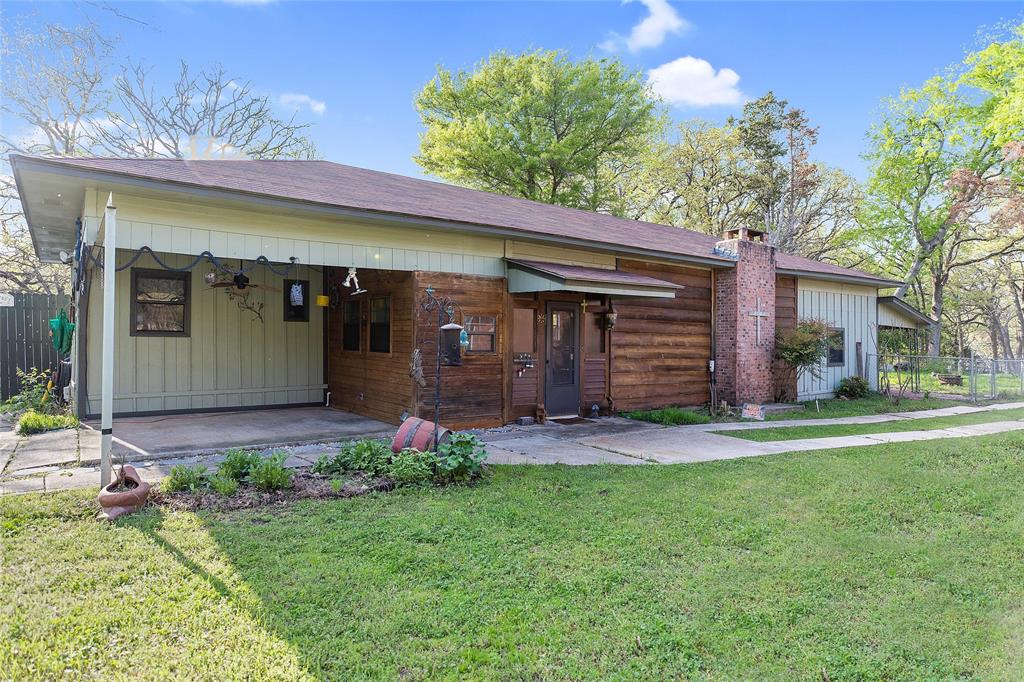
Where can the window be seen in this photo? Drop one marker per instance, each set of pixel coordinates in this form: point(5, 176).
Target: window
point(160, 303)
point(836, 347)
point(350, 325)
point(296, 313)
point(380, 325)
point(595, 333)
point(522, 330)
point(481, 330)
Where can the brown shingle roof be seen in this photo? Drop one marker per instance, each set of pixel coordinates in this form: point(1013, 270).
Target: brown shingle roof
point(336, 185)
point(594, 274)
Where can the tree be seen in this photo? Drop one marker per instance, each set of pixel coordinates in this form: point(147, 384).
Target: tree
point(537, 125)
point(945, 190)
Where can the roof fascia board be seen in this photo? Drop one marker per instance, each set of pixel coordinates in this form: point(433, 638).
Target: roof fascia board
point(845, 279)
point(25, 207)
point(902, 305)
point(362, 214)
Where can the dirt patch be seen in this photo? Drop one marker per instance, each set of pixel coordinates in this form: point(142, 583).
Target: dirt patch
point(305, 485)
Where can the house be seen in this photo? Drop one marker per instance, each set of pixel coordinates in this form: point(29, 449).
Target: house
point(561, 310)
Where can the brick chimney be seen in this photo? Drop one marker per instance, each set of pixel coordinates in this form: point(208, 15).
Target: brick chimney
point(745, 318)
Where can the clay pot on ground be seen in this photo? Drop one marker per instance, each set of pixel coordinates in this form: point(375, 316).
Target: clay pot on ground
point(125, 494)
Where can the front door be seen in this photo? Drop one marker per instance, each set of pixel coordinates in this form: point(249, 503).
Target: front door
point(562, 382)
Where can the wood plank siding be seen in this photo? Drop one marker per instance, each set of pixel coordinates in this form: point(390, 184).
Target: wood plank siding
point(660, 348)
point(373, 384)
point(229, 359)
point(472, 394)
point(785, 318)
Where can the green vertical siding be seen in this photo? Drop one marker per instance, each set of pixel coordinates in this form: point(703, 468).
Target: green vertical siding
point(230, 359)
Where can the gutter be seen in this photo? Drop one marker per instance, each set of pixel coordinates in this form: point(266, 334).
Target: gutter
point(369, 215)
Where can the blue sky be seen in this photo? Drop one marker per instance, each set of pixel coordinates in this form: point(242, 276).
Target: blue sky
point(352, 68)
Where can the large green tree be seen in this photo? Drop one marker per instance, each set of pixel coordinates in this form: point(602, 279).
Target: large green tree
point(538, 125)
point(946, 191)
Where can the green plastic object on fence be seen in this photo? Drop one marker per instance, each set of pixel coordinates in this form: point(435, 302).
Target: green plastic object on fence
point(62, 330)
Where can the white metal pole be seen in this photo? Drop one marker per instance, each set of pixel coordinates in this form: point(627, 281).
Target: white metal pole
point(107, 383)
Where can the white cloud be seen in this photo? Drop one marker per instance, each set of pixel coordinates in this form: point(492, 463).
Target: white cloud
point(661, 20)
point(689, 81)
point(296, 101)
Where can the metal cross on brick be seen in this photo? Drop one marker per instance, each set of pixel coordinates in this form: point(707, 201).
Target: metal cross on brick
point(757, 313)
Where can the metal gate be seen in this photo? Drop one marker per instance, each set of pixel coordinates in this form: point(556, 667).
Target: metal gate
point(25, 335)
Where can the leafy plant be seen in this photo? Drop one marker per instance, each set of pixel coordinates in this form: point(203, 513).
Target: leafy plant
point(669, 416)
point(185, 478)
point(461, 458)
point(30, 396)
point(224, 485)
point(853, 388)
point(411, 467)
point(337, 484)
point(238, 464)
point(801, 350)
point(368, 455)
point(37, 422)
point(270, 473)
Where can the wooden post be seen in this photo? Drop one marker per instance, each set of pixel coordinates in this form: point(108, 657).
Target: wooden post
point(107, 362)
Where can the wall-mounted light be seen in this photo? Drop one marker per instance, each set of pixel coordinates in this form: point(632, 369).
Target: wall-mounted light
point(609, 318)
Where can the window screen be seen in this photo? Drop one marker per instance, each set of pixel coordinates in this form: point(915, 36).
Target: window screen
point(160, 303)
point(837, 347)
point(350, 325)
point(481, 330)
point(380, 325)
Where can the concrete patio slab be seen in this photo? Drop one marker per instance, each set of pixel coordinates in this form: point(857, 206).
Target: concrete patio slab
point(547, 450)
point(141, 438)
point(46, 449)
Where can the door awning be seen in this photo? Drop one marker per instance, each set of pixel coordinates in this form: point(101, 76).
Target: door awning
point(529, 276)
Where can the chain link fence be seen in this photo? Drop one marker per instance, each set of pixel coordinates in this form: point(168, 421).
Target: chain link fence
point(973, 378)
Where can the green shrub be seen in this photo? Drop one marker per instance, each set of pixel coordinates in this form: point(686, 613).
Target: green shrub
point(185, 479)
point(669, 416)
point(461, 458)
point(411, 467)
point(37, 422)
point(30, 396)
point(270, 473)
point(238, 464)
point(224, 485)
point(853, 388)
point(327, 465)
point(368, 455)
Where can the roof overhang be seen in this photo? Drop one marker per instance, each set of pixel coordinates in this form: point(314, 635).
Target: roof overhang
point(530, 277)
point(876, 282)
point(38, 178)
point(902, 306)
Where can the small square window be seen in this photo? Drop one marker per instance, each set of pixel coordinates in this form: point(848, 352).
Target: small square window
point(380, 325)
point(161, 303)
point(482, 331)
point(350, 325)
point(296, 292)
point(836, 347)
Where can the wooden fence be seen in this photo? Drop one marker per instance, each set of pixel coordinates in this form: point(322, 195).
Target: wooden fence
point(25, 336)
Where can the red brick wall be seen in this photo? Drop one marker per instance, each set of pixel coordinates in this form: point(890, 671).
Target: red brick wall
point(744, 366)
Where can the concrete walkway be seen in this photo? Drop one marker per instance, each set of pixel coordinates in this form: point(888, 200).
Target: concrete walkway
point(48, 465)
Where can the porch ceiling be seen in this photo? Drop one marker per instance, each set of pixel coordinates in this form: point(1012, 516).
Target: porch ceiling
point(532, 276)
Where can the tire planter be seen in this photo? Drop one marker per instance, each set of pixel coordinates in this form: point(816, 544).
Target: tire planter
point(418, 433)
point(117, 503)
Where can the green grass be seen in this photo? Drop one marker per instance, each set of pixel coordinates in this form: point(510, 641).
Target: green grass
point(873, 404)
point(669, 416)
point(891, 562)
point(37, 422)
point(829, 430)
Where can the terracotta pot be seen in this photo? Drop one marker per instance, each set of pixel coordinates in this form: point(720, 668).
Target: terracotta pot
point(123, 502)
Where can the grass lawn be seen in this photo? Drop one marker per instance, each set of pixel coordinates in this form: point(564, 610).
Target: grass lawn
point(875, 403)
point(891, 562)
point(829, 430)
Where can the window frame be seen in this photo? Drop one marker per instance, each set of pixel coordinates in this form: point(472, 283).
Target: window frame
point(493, 334)
point(370, 324)
point(356, 303)
point(156, 273)
point(286, 300)
point(832, 331)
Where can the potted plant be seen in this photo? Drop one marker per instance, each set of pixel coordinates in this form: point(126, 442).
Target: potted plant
point(125, 494)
